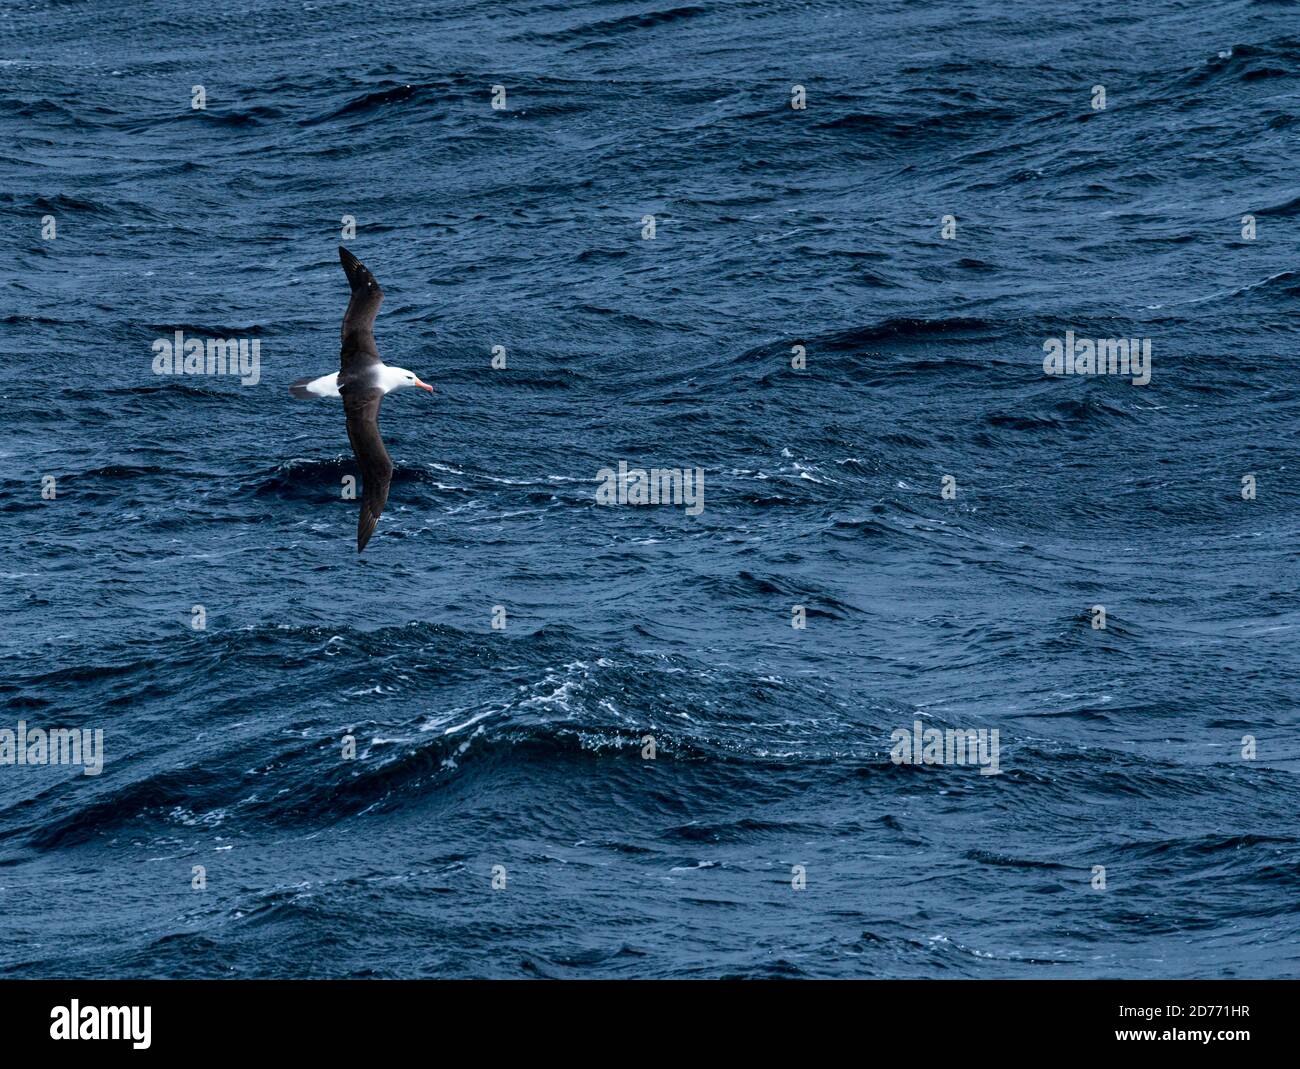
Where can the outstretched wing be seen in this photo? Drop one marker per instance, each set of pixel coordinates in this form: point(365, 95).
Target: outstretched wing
point(359, 320)
point(362, 407)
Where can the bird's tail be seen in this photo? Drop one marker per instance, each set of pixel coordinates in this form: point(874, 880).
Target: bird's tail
point(299, 388)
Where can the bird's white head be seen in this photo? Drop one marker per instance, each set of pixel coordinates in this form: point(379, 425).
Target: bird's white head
point(394, 378)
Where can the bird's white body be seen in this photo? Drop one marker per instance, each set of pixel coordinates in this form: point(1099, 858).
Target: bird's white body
point(325, 386)
point(387, 379)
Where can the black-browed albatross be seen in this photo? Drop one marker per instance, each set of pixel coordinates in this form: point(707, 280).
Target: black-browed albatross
point(362, 380)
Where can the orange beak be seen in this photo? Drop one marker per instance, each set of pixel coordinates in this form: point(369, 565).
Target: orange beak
point(424, 385)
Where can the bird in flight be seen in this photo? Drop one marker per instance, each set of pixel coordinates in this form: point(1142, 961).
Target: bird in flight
point(362, 380)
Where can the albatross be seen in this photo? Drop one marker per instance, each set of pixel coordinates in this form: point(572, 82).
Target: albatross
point(362, 380)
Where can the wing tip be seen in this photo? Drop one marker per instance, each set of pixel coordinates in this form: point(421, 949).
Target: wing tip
point(359, 275)
point(366, 524)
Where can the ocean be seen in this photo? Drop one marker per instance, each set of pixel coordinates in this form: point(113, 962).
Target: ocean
point(816, 254)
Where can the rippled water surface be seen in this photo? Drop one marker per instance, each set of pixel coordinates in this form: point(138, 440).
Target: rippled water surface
point(774, 227)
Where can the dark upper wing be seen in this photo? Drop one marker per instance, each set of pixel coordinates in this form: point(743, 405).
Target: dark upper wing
point(359, 320)
point(362, 408)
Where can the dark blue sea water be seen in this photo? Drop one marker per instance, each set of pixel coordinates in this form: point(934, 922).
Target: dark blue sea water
point(522, 227)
